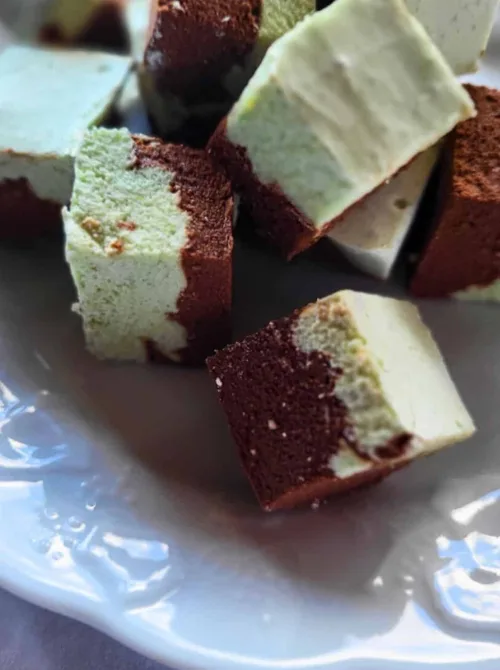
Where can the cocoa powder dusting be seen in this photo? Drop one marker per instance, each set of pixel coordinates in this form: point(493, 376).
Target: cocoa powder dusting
point(286, 419)
point(464, 246)
point(195, 43)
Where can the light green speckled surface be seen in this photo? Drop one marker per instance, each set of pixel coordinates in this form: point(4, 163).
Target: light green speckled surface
point(124, 235)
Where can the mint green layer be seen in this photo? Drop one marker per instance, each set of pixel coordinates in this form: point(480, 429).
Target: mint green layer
point(124, 236)
point(109, 190)
point(460, 28)
point(343, 101)
point(49, 97)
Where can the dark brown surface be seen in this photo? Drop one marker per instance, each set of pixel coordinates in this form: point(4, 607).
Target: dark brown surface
point(23, 214)
point(464, 247)
point(195, 129)
point(205, 195)
point(194, 46)
point(285, 418)
point(105, 30)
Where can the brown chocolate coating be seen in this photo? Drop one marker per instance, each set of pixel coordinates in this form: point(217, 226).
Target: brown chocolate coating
point(204, 306)
point(286, 420)
point(106, 30)
point(23, 214)
point(464, 247)
point(195, 43)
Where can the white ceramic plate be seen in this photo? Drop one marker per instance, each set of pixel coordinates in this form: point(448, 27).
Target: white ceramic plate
point(181, 564)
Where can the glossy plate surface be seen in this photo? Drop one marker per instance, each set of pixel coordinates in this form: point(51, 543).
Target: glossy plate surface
point(180, 564)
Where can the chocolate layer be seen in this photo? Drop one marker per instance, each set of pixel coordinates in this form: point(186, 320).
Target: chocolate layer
point(105, 30)
point(464, 247)
point(275, 216)
point(23, 214)
point(194, 44)
point(205, 195)
point(286, 420)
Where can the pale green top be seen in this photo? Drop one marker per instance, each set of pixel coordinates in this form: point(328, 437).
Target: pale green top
point(460, 28)
point(343, 101)
point(49, 97)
